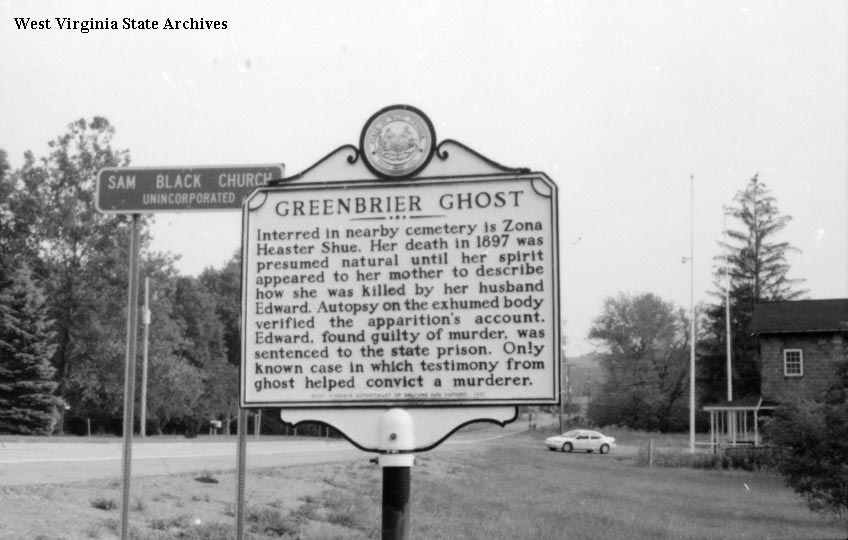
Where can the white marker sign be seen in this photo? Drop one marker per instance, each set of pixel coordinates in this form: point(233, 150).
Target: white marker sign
point(419, 292)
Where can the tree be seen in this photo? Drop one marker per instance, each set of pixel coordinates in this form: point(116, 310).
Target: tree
point(758, 270)
point(196, 308)
point(175, 389)
point(646, 363)
point(812, 437)
point(27, 403)
point(82, 259)
point(17, 222)
point(225, 286)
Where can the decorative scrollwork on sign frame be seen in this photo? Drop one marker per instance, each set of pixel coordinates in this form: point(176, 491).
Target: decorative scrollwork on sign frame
point(443, 154)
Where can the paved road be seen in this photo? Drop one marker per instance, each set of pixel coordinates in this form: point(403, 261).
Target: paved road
point(32, 461)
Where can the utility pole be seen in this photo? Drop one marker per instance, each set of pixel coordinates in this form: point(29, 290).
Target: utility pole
point(731, 415)
point(727, 312)
point(692, 314)
point(146, 323)
point(561, 401)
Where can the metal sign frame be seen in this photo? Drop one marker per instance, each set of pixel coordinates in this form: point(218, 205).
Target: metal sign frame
point(290, 198)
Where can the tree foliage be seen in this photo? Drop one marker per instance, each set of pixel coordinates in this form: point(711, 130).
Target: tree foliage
point(756, 267)
point(646, 363)
point(813, 439)
point(27, 403)
point(79, 259)
point(82, 254)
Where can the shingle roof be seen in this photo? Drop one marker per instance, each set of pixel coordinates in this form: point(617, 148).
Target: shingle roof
point(800, 316)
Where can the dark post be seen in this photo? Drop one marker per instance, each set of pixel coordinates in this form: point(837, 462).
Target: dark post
point(241, 472)
point(396, 487)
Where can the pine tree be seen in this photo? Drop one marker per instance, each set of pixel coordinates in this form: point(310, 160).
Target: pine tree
point(27, 403)
point(758, 270)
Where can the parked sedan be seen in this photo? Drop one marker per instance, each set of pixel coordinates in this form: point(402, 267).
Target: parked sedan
point(581, 439)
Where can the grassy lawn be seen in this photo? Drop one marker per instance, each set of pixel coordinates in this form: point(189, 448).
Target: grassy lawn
point(521, 490)
point(513, 489)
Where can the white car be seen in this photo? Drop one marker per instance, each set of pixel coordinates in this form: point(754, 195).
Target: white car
point(581, 439)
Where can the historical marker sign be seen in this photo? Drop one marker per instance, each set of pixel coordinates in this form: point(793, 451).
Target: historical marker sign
point(433, 291)
point(143, 190)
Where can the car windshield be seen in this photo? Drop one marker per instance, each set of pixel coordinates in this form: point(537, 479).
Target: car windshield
point(572, 433)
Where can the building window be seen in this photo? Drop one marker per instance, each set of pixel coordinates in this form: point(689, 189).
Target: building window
point(793, 362)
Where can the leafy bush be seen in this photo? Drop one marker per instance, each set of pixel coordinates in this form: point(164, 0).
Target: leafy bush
point(813, 441)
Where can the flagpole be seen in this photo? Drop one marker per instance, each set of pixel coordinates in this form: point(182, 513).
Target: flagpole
point(692, 313)
point(727, 311)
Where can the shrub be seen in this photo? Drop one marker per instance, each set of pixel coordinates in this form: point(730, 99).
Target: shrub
point(268, 520)
point(813, 439)
point(207, 478)
point(744, 458)
point(104, 504)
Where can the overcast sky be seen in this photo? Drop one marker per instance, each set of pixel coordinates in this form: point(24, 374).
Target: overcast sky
point(618, 102)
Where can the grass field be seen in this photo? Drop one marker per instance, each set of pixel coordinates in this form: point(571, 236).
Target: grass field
point(512, 489)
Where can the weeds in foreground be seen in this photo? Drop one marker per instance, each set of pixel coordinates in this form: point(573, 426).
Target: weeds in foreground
point(269, 520)
point(206, 478)
point(752, 459)
point(103, 503)
point(349, 510)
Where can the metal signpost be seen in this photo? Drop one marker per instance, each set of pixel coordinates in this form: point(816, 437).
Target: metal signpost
point(145, 190)
point(399, 290)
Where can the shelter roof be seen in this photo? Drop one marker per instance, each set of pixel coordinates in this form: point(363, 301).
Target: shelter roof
point(751, 403)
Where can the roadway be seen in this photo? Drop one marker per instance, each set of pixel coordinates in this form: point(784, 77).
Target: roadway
point(32, 460)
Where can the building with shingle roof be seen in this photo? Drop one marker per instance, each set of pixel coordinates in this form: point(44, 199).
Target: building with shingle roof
point(801, 343)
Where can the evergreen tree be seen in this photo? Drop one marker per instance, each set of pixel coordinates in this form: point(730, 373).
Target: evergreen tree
point(757, 270)
point(17, 222)
point(27, 403)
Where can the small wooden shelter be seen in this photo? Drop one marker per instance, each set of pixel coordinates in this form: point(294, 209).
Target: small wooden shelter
point(736, 423)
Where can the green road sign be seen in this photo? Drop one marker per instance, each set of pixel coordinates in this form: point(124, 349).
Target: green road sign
point(145, 190)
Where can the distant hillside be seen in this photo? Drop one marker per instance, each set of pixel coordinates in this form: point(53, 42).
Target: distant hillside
point(586, 373)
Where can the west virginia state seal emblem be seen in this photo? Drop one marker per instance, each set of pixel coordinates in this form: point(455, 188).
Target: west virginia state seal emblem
point(397, 141)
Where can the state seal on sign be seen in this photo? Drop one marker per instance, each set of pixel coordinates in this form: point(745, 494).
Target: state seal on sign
point(397, 141)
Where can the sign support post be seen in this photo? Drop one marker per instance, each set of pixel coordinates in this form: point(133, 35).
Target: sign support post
point(398, 312)
point(129, 374)
point(241, 465)
point(144, 190)
point(396, 489)
point(396, 436)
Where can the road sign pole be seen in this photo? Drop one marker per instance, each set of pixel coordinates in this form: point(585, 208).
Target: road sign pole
point(241, 467)
point(129, 374)
point(142, 427)
point(396, 489)
point(396, 434)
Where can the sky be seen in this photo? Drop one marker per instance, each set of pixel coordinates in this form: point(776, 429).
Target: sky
point(625, 105)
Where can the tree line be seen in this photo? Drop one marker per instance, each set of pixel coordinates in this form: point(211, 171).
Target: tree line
point(646, 340)
point(63, 283)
